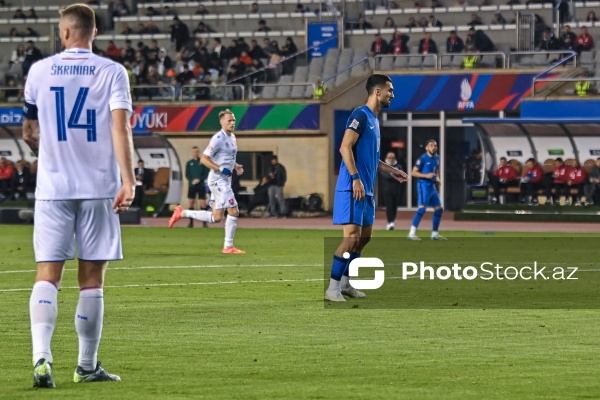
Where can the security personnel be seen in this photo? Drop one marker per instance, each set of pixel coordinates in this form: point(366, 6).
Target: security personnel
point(320, 89)
point(583, 88)
point(470, 60)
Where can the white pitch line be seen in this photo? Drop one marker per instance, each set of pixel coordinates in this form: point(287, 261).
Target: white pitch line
point(219, 283)
point(180, 284)
point(181, 267)
point(503, 263)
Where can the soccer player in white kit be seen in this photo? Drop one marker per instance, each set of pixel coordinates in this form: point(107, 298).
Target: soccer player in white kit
point(219, 157)
point(77, 109)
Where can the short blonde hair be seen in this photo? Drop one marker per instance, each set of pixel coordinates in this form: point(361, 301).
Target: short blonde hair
point(82, 16)
point(225, 112)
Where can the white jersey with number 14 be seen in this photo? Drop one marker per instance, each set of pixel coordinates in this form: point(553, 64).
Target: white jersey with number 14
point(75, 92)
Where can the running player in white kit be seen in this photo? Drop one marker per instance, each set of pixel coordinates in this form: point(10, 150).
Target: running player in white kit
point(219, 157)
point(77, 109)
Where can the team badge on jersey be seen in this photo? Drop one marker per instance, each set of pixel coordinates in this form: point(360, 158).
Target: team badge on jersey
point(354, 124)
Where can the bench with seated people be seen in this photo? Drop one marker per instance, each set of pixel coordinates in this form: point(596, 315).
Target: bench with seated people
point(554, 179)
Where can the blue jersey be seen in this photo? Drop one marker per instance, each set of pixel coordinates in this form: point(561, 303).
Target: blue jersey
point(366, 150)
point(427, 164)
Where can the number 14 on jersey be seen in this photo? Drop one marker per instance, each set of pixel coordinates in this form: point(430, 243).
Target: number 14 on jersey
point(73, 122)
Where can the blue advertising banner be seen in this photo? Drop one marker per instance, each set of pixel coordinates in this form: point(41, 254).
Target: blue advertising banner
point(579, 108)
point(461, 92)
point(322, 36)
point(11, 116)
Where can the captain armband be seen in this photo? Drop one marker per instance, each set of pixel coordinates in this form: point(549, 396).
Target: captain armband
point(30, 111)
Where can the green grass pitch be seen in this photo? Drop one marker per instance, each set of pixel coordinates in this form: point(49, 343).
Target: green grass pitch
point(184, 321)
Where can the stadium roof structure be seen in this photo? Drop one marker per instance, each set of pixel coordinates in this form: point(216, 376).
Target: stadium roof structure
point(537, 126)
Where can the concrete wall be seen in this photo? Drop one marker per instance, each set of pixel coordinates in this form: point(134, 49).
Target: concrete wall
point(305, 158)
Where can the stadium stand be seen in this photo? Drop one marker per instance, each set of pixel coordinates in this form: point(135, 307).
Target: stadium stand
point(232, 70)
point(233, 19)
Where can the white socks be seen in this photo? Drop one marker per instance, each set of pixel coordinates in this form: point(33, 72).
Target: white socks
point(413, 230)
point(43, 310)
point(230, 226)
point(345, 282)
point(200, 215)
point(333, 285)
point(88, 323)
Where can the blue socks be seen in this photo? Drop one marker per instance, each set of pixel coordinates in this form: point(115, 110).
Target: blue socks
point(437, 218)
point(418, 217)
point(352, 257)
point(337, 267)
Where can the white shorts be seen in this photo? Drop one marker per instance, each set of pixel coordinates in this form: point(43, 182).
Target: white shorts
point(93, 223)
point(221, 196)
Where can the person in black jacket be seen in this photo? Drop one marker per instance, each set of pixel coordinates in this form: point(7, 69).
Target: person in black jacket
point(427, 45)
point(548, 41)
point(144, 180)
point(393, 191)
point(480, 41)
point(180, 33)
point(454, 44)
point(32, 54)
point(379, 46)
point(277, 179)
point(260, 196)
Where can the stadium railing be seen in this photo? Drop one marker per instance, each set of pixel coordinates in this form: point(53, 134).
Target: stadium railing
point(540, 76)
point(571, 91)
point(362, 61)
point(217, 91)
point(153, 92)
point(314, 5)
point(231, 21)
point(529, 57)
point(482, 56)
point(279, 91)
point(16, 98)
point(407, 61)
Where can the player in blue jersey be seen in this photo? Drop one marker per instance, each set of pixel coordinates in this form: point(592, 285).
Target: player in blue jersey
point(354, 203)
point(426, 171)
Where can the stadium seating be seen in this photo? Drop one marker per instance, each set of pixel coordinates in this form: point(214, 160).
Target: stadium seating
point(588, 165)
point(230, 19)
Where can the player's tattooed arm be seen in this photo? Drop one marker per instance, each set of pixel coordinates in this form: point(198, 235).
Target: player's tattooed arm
point(31, 134)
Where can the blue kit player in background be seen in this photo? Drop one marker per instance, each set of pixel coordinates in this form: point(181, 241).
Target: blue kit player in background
point(426, 171)
point(354, 203)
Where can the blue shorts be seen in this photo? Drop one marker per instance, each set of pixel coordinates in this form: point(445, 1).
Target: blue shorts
point(428, 196)
point(347, 210)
